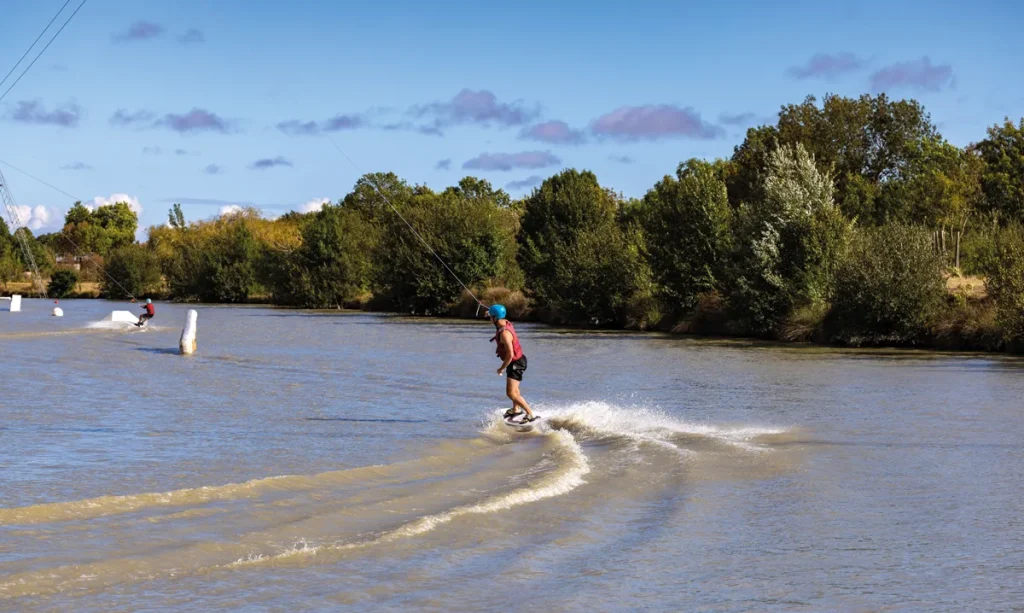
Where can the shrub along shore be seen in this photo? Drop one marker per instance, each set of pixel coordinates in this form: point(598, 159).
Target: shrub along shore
point(850, 221)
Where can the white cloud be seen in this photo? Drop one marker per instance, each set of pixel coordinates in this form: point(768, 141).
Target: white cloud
point(36, 217)
point(314, 205)
point(231, 209)
point(133, 203)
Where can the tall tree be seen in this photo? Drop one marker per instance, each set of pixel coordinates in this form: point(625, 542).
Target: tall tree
point(576, 258)
point(99, 231)
point(176, 218)
point(864, 143)
point(789, 245)
point(43, 257)
point(5, 238)
point(686, 220)
point(943, 191)
point(8, 263)
point(1003, 177)
point(332, 266)
point(749, 165)
point(470, 227)
point(374, 191)
point(78, 213)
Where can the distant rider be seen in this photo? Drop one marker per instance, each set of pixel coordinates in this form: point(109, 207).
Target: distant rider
point(513, 359)
point(150, 312)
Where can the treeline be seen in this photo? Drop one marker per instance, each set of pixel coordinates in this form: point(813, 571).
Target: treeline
point(844, 222)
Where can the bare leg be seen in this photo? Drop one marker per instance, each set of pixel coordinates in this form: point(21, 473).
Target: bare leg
point(512, 390)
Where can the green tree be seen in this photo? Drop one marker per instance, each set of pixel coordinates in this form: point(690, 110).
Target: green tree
point(8, 262)
point(865, 143)
point(5, 238)
point(943, 191)
point(471, 228)
point(1003, 177)
point(218, 264)
point(331, 267)
point(749, 162)
point(232, 266)
point(131, 270)
point(889, 287)
point(62, 283)
point(176, 218)
point(1005, 283)
point(120, 222)
point(576, 258)
point(374, 194)
point(108, 227)
point(473, 188)
point(43, 257)
point(686, 222)
point(77, 214)
point(84, 238)
point(789, 245)
point(186, 267)
point(9, 269)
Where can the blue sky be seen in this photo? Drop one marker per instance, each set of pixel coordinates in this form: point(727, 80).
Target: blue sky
point(214, 104)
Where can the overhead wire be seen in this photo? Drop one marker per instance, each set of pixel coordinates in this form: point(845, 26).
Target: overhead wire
point(13, 206)
point(78, 250)
point(24, 55)
point(41, 52)
point(339, 149)
point(31, 176)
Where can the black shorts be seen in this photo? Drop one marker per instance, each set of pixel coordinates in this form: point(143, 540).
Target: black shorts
point(516, 368)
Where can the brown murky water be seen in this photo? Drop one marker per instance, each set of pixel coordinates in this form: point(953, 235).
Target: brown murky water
point(304, 461)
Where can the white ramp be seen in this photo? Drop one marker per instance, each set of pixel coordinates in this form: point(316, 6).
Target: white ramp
point(123, 317)
point(15, 303)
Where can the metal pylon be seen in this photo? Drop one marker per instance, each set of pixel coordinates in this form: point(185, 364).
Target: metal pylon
point(15, 220)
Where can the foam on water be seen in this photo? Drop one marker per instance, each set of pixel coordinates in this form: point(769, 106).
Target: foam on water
point(600, 422)
point(106, 324)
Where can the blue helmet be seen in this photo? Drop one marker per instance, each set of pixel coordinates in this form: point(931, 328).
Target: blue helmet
point(496, 311)
point(149, 301)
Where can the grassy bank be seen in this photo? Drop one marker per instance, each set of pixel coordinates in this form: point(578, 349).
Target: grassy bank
point(85, 289)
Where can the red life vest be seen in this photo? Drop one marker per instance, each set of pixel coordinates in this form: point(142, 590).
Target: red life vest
point(517, 350)
point(150, 309)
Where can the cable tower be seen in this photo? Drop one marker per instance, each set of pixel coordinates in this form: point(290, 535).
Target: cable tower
point(15, 222)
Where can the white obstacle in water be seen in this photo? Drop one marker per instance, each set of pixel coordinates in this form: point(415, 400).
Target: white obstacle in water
point(187, 344)
point(15, 303)
point(58, 312)
point(122, 317)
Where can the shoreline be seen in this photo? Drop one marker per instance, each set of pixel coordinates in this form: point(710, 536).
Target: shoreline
point(951, 344)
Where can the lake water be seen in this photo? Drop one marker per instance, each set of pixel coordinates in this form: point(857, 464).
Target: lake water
point(307, 461)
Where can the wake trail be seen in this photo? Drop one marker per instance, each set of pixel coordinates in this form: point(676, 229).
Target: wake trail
point(105, 506)
point(572, 466)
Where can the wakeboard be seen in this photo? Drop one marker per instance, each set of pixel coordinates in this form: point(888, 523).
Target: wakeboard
point(515, 424)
